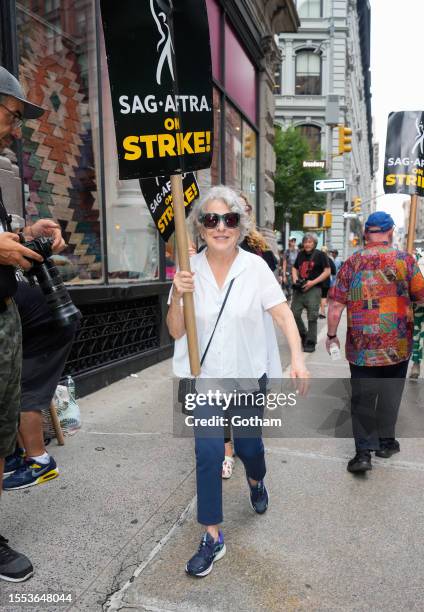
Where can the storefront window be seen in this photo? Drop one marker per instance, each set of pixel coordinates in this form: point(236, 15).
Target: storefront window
point(249, 164)
point(233, 141)
point(132, 236)
point(170, 258)
point(61, 149)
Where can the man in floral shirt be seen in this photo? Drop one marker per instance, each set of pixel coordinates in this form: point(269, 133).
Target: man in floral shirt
point(378, 285)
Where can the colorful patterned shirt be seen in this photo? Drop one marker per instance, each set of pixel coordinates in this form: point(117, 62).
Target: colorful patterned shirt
point(378, 285)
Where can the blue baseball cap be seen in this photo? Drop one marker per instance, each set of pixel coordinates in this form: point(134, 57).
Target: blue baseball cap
point(379, 219)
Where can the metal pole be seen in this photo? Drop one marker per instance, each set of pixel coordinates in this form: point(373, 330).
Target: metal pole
point(412, 223)
point(346, 249)
point(329, 165)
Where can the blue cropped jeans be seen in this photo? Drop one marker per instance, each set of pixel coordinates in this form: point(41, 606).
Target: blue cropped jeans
point(209, 446)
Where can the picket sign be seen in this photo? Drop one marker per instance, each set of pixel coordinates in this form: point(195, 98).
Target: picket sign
point(404, 162)
point(160, 75)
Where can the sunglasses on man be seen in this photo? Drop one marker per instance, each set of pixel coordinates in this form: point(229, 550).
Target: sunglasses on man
point(211, 220)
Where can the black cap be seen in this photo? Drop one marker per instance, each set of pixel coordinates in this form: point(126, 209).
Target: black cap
point(10, 86)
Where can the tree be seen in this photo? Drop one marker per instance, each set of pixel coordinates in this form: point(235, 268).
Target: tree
point(294, 184)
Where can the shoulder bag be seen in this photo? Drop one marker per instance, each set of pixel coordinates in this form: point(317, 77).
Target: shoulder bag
point(188, 385)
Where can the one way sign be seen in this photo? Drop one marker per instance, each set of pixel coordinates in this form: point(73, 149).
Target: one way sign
point(330, 185)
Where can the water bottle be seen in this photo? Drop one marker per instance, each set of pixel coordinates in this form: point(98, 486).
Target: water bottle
point(334, 352)
point(71, 388)
point(71, 420)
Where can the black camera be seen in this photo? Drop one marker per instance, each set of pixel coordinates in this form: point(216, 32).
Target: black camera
point(50, 281)
point(299, 284)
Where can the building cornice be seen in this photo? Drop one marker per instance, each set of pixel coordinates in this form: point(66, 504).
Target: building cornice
point(282, 15)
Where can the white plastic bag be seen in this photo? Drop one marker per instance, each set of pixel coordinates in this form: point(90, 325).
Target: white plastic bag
point(67, 409)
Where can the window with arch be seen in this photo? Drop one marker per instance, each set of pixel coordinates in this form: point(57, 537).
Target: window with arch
point(312, 133)
point(308, 73)
point(309, 8)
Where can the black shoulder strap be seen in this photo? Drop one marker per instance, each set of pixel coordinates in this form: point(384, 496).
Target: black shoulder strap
point(219, 316)
point(5, 218)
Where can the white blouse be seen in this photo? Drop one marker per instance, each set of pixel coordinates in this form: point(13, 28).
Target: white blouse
point(244, 344)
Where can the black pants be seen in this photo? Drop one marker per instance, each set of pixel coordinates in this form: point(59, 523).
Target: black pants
point(376, 396)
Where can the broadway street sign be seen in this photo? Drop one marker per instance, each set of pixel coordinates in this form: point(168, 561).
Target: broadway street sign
point(330, 185)
point(160, 74)
point(314, 163)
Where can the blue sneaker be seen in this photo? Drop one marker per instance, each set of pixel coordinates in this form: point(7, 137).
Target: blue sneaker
point(14, 462)
point(30, 474)
point(201, 563)
point(259, 497)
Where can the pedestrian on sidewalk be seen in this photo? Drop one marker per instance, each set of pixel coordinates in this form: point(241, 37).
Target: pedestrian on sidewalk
point(254, 242)
point(417, 349)
point(309, 271)
point(327, 283)
point(289, 257)
point(239, 348)
point(338, 261)
point(377, 285)
point(14, 108)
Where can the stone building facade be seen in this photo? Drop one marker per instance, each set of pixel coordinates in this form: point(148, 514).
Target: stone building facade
point(325, 79)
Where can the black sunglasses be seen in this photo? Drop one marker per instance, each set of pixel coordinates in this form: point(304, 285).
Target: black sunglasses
point(211, 220)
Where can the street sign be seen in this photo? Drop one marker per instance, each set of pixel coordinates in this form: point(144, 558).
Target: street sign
point(330, 185)
point(160, 74)
point(314, 163)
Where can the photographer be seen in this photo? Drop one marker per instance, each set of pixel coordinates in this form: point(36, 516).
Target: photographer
point(44, 358)
point(14, 566)
point(310, 269)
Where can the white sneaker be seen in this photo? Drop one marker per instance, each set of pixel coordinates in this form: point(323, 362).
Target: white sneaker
point(227, 467)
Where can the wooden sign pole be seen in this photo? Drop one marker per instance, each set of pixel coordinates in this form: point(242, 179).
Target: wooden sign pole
point(184, 261)
point(412, 223)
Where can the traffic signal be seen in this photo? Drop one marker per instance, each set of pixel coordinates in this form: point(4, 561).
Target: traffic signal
point(311, 220)
point(250, 144)
point(345, 140)
point(327, 219)
point(357, 205)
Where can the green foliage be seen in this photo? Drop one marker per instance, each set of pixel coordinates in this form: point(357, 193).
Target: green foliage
point(294, 185)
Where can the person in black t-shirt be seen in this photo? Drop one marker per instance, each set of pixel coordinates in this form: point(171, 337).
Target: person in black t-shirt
point(309, 271)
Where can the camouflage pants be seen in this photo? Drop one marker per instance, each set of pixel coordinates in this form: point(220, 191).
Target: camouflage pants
point(10, 377)
point(417, 350)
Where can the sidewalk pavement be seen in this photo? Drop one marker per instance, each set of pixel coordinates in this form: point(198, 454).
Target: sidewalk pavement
point(118, 525)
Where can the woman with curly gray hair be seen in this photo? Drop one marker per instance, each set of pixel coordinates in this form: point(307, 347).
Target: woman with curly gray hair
point(242, 347)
